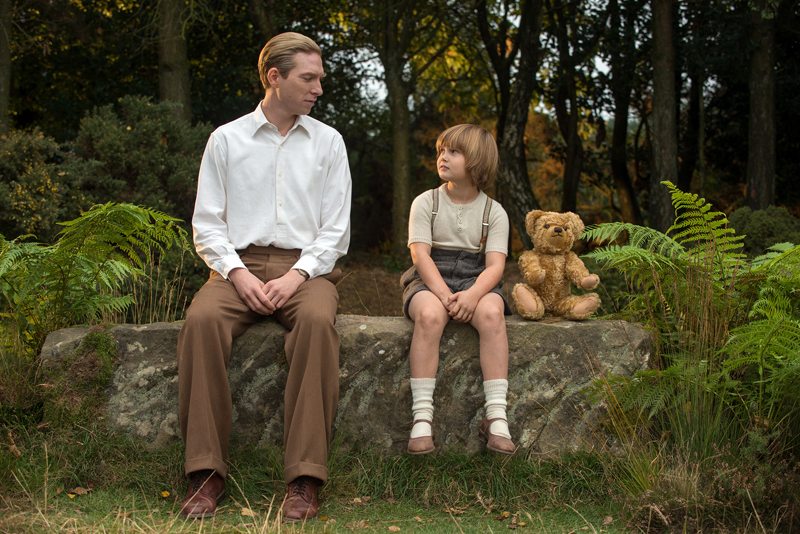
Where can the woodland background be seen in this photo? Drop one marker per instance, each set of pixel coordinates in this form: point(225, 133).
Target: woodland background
point(669, 126)
point(593, 103)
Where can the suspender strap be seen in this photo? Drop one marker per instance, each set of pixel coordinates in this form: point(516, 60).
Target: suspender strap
point(435, 209)
point(485, 224)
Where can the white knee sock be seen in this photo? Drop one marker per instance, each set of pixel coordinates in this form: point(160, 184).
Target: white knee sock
point(422, 407)
point(495, 392)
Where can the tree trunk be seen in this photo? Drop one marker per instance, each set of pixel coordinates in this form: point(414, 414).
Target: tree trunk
point(401, 161)
point(628, 205)
point(173, 59)
point(689, 152)
point(665, 140)
point(261, 13)
point(761, 123)
point(567, 119)
point(568, 125)
point(622, 38)
point(513, 180)
point(5, 63)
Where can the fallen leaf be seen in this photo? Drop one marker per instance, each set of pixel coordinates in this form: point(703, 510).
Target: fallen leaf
point(71, 495)
point(366, 498)
point(394, 529)
point(78, 512)
point(391, 500)
point(331, 521)
point(14, 450)
point(247, 512)
point(169, 512)
point(59, 490)
point(419, 519)
point(165, 494)
point(522, 523)
point(608, 520)
point(126, 514)
point(81, 491)
point(584, 528)
point(503, 516)
point(323, 518)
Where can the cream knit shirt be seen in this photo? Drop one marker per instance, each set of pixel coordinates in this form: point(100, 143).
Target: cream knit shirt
point(457, 226)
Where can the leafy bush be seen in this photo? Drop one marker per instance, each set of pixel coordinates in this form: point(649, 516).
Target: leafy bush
point(764, 228)
point(138, 152)
point(34, 192)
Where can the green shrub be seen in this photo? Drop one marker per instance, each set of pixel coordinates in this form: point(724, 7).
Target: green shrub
point(34, 192)
point(138, 152)
point(763, 228)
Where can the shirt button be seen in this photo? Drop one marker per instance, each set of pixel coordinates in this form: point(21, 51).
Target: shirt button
point(461, 207)
point(280, 203)
point(280, 174)
point(459, 228)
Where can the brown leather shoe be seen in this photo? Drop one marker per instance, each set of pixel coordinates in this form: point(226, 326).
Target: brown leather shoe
point(301, 502)
point(493, 441)
point(206, 492)
point(422, 444)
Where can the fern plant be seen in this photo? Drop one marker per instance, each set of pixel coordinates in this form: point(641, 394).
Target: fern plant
point(75, 281)
point(726, 328)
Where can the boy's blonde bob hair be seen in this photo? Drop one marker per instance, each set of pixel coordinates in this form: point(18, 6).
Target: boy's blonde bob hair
point(479, 150)
point(279, 53)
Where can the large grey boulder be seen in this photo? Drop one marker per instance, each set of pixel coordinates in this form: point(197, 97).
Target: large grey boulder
point(550, 364)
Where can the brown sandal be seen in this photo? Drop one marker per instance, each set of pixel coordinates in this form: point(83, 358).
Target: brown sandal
point(422, 444)
point(493, 441)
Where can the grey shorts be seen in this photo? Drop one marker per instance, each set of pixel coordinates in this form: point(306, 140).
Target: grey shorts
point(459, 270)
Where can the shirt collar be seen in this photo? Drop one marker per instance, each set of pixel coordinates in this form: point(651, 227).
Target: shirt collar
point(259, 120)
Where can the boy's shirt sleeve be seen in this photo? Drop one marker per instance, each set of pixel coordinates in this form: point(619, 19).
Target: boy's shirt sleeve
point(419, 220)
point(497, 240)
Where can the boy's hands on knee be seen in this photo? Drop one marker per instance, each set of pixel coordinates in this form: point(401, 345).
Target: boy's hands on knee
point(462, 306)
point(251, 291)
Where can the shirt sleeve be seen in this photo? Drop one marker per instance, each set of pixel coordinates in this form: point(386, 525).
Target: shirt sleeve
point(210, 231)
point(333, 237)
point(419, 220)
point(497, 239)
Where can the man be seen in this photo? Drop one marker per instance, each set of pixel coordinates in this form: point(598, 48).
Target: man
point(272, 216)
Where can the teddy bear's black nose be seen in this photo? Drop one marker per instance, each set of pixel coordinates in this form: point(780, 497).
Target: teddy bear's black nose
point(557, 229)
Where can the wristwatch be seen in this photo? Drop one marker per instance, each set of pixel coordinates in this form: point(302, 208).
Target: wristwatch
point(304, 273)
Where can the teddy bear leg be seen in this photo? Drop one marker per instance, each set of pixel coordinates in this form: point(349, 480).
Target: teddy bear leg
point(577, 307)
point(529, 305)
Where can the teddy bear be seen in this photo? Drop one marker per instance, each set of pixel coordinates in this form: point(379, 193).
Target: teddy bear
point(551, 266)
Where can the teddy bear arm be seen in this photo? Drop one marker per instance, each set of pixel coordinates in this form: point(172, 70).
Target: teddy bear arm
point(530, 268)
point(576, 270)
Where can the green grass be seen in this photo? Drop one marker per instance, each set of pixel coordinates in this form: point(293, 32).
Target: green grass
point(89, 480)
point(120, 512)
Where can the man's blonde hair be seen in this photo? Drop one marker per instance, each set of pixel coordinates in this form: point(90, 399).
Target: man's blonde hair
point(279, 53)
point(479, 150)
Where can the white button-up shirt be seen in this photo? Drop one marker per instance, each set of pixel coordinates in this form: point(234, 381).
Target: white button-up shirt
point(257, 187)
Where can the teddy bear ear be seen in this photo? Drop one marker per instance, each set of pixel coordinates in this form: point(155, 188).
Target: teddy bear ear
point(530, 220)
point(576, 223)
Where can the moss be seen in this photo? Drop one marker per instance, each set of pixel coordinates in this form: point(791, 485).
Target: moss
point(75, 388)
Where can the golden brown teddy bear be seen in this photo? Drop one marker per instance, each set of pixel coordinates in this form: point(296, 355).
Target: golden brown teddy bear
point(551, 266)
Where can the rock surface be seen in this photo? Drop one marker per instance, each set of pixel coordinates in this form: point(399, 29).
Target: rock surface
point(549, 366)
